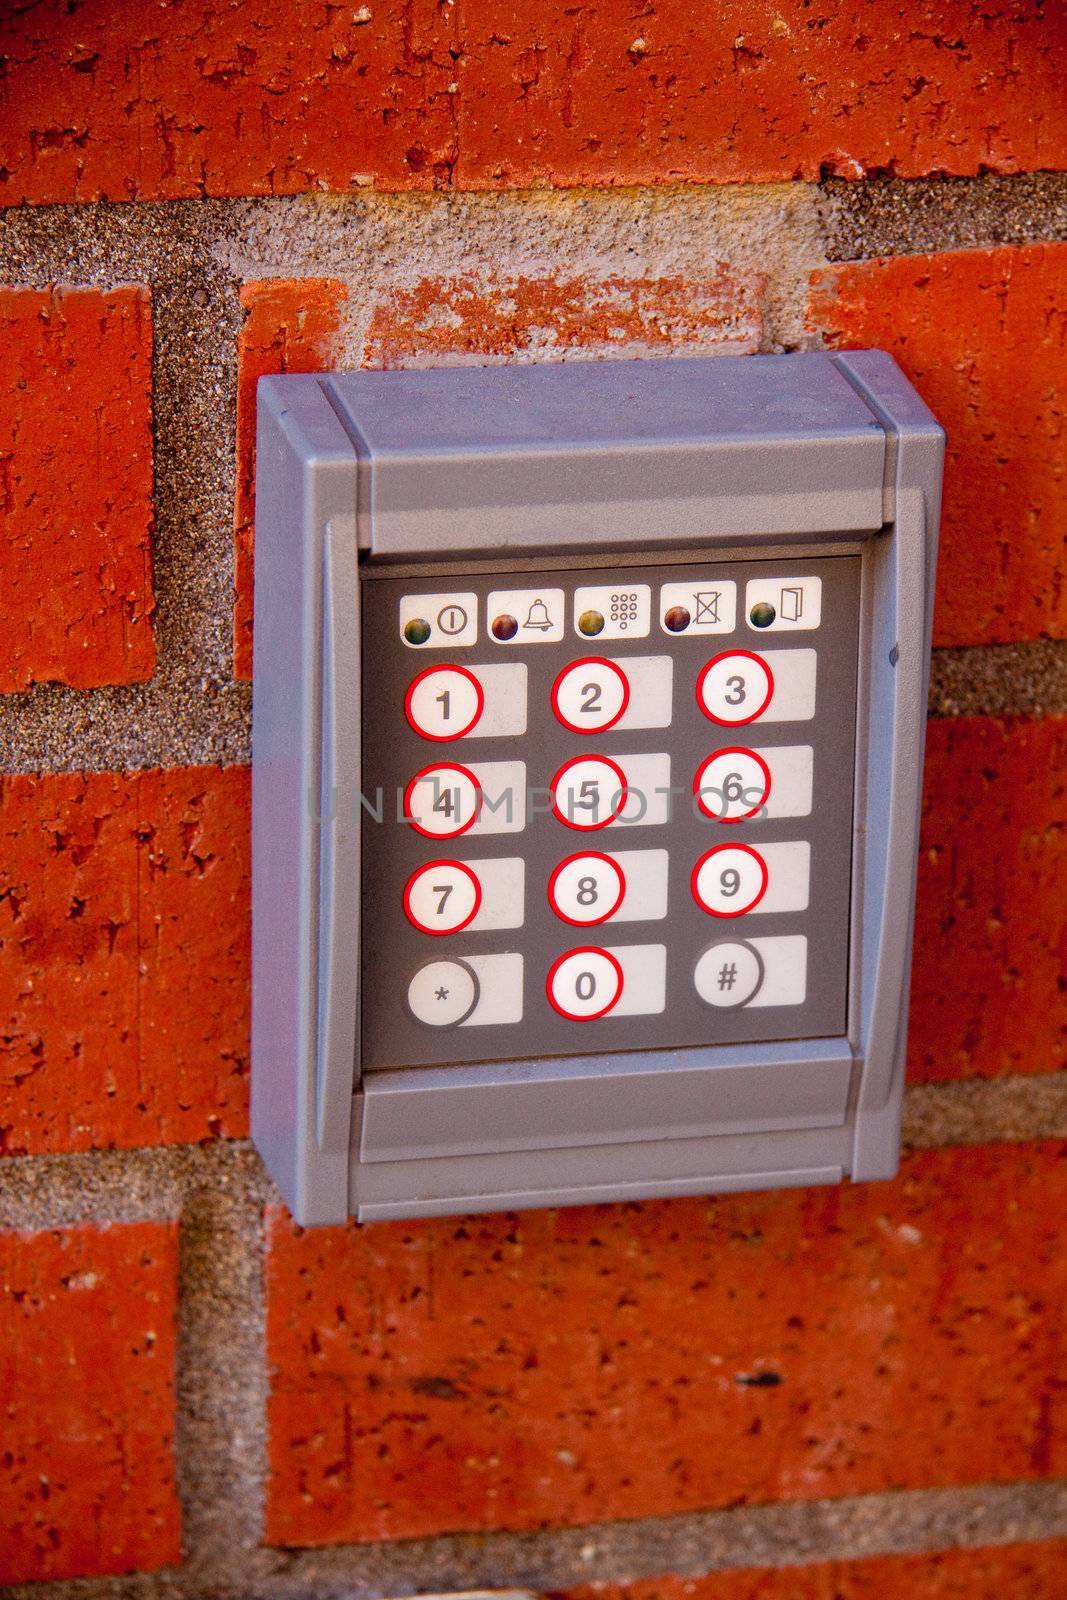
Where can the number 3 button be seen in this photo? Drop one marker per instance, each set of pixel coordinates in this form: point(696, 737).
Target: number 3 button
point(444, 702)
point(586, 888)
point(442, 897)
point(584, 984)
point(590, 695)
point(735, 687)
point(729, 880)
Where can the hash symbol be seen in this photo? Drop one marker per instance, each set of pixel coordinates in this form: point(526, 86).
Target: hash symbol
point(727, 975)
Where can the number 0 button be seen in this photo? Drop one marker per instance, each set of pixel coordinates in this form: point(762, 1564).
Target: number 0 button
point(442, 897)
point(444, 702)
point(735, 687)
point(729, 880)
point(732, 784)
point(590, 695)
point(584, 984)
point(444, 801)
point(586, 888)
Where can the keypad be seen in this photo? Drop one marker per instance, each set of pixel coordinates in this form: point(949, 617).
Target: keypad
point(603, 817)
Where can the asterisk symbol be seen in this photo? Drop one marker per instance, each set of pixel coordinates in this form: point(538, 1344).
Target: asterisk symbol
point(442, 994)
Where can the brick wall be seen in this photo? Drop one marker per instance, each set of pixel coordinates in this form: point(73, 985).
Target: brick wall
point(838, 1393)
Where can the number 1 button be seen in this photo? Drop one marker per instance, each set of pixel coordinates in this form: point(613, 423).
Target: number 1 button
point(584, 984)
point(734, 688)
point(590, 695)
point(442, 897)
point(444, 702)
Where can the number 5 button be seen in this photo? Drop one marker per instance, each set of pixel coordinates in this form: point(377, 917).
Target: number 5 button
point(590, 695)
point(735, 687)
point(729, 880)
point(586, 888)
point(588, 792)
point(444, 702)
point(584, 984)
point(442, 897)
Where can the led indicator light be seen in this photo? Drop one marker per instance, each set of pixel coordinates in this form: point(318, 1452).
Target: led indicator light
point(762, 615)
point(417, 630)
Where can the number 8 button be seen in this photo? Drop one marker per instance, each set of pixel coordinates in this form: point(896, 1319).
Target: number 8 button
point(586, 888)
point(734, 688)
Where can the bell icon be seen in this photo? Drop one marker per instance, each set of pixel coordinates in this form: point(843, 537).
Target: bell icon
point(538, 617)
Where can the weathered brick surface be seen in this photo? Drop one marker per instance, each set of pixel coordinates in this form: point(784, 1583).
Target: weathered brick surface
point(568, 1366)
point(76, 486)
point(988, 989)
point(115, 101)
point(1019, 1571)
point(123, 958)
point(503, 316)
point(291, 325)
point(87, 1340)
point(983, 334)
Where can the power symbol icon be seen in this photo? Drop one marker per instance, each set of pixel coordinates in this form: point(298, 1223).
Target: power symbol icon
point(452, 620)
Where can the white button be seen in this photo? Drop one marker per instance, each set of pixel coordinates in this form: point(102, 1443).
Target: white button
point(646, 873)
point(504, 686)
point(525, 616)
point(584, 984)
point(590, 695)
point(503, 797)
point(794, 673)
point(735, 687)
point(785, 970)
point(442, 897)
point(700, 605)
point(500, 980)
point(729, 880)
point(444, 702)
point(429, 621)
point(651, 680)
point(729, 974)
point(783, 604)
point(586, 888)
point(788, 873)
point(443, 801)
point(588, 792)
point(613, 611)
point(443, 993)
point(732, 784)
point(648, 798)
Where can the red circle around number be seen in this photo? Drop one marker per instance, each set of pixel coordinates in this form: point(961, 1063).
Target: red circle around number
point(733, 750)
point(717, 850)
point(730, 655)
point(583, 950)
point(586, 855)
point(591, 661)
point(428, 672)
point(622, 792)
point(443, 766)
point(431, 866)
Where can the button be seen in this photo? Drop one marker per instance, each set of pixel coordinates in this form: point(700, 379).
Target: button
point(588, 792)
point(584, 984)
point(732, 784)
point(729, 974)
point(613, 611)
point(735, 687)
point(444, 702)
point(700, 605)
point(443, 801)
point(783, 605)
point(435, 620)
point(442, 897)
point(525, 616)
point(586, 888)
point(729, 880)
point(443, 993)
point(590, 695)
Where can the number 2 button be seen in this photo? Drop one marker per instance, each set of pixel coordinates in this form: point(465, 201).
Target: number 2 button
point(442, 897)
point(590, 695)
point(444, 703)
point(734, 688)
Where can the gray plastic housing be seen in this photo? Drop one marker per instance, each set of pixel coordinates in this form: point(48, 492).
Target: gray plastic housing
point(517, 469)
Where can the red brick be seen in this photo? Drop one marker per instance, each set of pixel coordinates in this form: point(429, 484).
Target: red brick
point(291, 325)
point(87, 1338)
point(241, 97)
point(123, 958)
point(988, 989)
point(76, 486)
point(983, 334)
point(1021, 1571)
point(496, 316)
point(634, 1360)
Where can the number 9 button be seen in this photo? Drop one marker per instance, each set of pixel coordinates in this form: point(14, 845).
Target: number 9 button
point(734, 688)
point(729, 880)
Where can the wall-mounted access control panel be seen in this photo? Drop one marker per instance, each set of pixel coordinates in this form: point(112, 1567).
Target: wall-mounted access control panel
point(588, 726)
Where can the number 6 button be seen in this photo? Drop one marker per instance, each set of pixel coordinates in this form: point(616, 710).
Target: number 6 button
point(735, 687)
point(590, 695)
point(729, 880)
point(444, 702)
point(584, 984)
point(442, 897)
point(732, 784)
point(586, 888)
